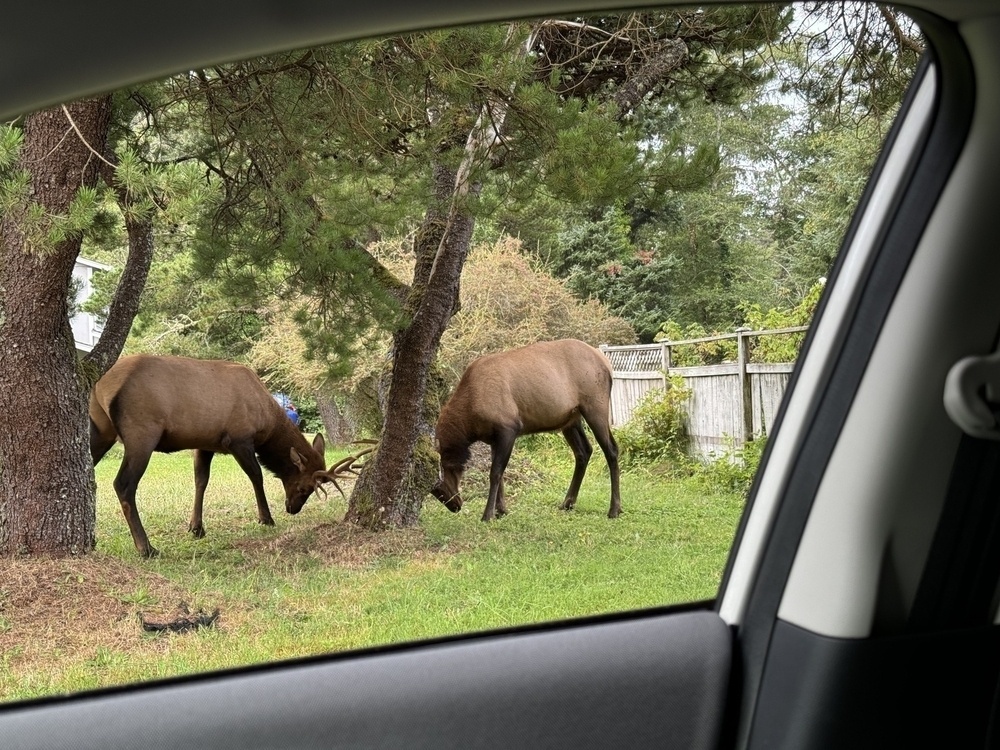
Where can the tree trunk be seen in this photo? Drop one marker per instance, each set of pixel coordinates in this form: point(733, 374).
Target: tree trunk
point(125, 303)
point(338, 429)
point(47, 490)
point(391, 489)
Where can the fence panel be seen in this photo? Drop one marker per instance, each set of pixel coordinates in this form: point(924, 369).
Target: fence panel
point(713, 408)
point(627, 390)
point(729, 403)
point(768, 383)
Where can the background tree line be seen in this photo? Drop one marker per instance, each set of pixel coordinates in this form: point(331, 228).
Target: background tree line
point(314, 212)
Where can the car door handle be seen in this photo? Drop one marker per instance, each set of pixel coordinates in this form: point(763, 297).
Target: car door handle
point(972, 395)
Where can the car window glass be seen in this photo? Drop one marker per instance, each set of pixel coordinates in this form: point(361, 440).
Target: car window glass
point(350, 229)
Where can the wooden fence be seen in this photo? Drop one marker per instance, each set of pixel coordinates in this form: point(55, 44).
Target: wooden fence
point(729, 404)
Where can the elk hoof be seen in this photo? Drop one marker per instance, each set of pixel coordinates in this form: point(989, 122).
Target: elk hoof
point(568, 504)
point(197, 531)
point(267, 521)
point(614, 512)
point(149, 553)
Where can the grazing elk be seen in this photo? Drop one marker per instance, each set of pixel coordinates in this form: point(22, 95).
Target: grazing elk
point(543, 387)
point(167, 404)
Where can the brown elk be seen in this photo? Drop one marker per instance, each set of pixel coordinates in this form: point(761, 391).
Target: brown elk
point(542, 387)
point(166, 404)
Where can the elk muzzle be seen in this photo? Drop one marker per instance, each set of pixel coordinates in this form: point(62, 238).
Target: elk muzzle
point(452, 500)
point(295, 501)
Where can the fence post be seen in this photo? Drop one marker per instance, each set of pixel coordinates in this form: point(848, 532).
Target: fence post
point(665, 362)
point(746, 390)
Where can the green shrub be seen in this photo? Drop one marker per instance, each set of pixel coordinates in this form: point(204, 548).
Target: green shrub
point(694, 355)
point(782, 348)
point(657, 432)
point(734, 471)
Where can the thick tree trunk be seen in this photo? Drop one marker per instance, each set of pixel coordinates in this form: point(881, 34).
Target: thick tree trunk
point(47, 490)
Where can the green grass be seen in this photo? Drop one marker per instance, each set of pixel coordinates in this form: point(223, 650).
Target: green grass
point(312, 584)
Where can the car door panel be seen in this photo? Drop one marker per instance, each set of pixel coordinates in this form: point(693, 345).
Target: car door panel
point(912, 690)
point(651, 681)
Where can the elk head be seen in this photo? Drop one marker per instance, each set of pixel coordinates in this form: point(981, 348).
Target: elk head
point(299, 485)
point(446, 488)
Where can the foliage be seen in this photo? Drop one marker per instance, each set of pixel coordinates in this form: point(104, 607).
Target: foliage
point(280, 356)
point(733, 471)
point(657, 431)
point(183, 313)
point(530, 305)
point(701, 353)
point(845, 68)
point(309, 156)
point(746, 198)
point(693, 239)
point(768, 348)
point(854, 60)
point(783, 348)
point(599, 262)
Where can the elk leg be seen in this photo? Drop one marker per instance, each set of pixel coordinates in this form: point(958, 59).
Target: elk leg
point(602, 432)
point(501, 503)
point(501, 448)
point(582, 452)
point(202, 470)
point(126, 482)
point(247, 459)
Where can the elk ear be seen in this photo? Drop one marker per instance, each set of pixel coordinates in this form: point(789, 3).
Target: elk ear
point(319, 445)
point(297, 460)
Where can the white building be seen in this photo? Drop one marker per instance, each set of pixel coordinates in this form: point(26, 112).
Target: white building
point(86, 329)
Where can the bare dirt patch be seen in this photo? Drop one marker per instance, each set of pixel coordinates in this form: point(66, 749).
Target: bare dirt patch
point(52, 608)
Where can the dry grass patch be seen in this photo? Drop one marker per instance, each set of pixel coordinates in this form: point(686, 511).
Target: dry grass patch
point(338, 544)
point(51, 609)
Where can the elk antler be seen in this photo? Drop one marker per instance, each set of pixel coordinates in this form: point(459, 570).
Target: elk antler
point(343, 467)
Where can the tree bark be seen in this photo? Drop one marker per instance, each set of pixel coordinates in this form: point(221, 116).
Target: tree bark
point(652, 73)
point(393, 484)
point(390, 491)
point(47, 490)
point(125, 304)
point(338, 429)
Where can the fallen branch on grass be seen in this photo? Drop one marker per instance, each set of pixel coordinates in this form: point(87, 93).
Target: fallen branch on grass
point(181, 624)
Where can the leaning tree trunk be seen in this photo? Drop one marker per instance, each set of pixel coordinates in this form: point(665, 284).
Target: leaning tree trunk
point(125, 302)
point(391, 488)
point(47, 491)
point(390, 491)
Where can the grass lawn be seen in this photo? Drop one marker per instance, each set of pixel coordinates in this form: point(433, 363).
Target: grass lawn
point(313, 584)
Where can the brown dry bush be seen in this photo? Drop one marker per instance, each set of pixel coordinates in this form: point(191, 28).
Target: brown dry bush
point(507, 300)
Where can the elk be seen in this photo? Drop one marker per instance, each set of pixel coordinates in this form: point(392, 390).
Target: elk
point(166, 404)
point(542, 387)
